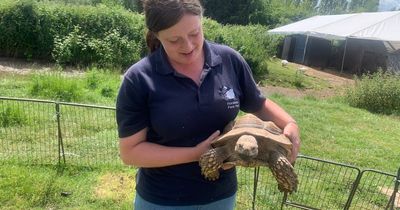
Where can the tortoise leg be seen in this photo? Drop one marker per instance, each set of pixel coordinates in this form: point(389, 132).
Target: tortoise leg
point(211, 161)
point(283, 172)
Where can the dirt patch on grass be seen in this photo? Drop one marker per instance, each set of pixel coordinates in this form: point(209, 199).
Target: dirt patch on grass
point(389, 192)
point(22, 67)
point(19, 66)
point(337, 83)
point(115, 186)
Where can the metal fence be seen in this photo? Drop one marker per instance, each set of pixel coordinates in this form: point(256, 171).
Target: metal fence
point(49, 132)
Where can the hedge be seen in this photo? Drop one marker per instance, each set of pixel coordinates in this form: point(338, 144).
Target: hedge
point(30, 29)
point(106, 36)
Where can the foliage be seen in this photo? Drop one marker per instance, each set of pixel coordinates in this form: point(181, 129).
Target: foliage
point(240, 12)
point(277, 12)
point(378, 93)
point(299, 79)
point(111, 50)
point(11, 116)
point(253, 43)
point(285, 12)
point(127, 4)
point(18, 21)
point(31, 30)
point(95, 85)
point(106, 82)
point(55, 87)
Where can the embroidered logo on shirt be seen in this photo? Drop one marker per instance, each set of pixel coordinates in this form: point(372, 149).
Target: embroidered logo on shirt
point(229, 96)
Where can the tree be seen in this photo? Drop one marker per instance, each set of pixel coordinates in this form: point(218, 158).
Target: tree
point(240, 12)
point(364, 5)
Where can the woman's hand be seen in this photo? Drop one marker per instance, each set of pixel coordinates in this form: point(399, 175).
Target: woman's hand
point(292, 131)
point(205, 145)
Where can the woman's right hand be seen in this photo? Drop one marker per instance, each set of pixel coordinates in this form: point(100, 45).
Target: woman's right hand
point(205, 145)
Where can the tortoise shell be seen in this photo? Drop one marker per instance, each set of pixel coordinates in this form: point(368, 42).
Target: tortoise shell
point(249, 124)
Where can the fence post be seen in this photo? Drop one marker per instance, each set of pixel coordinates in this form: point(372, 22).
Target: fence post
point(353, 189)
point(255, 185)
point(59, 134)
point(395, 190)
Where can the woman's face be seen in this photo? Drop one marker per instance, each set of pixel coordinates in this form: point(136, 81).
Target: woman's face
point(183, 42)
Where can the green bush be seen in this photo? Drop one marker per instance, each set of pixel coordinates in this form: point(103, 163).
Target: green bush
point(33, 29)
point(298, 80)
point(11, 116)
point(108, 51)
point(252, 42)
point(18, 24)
point(378, 93)
point(128, 4)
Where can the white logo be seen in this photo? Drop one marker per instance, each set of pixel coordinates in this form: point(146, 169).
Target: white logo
point(229, 96)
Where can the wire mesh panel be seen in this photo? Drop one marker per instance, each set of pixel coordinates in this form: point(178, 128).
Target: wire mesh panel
point(267, 195)
point(89, 135)
point(245, 188)
point(28, 132)
point(322, 184)
point(374, 191)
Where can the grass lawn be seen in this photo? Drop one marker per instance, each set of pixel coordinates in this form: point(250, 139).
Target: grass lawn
point(72, 187)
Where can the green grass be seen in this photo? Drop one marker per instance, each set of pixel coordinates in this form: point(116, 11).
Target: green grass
point(93, 86)
point(291, 77)
point(49, 187)
point(335, 131)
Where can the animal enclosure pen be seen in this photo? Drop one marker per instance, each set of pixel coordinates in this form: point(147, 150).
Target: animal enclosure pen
point(49, 132)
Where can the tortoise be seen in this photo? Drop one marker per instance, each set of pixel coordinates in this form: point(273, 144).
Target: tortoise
point(251, 142)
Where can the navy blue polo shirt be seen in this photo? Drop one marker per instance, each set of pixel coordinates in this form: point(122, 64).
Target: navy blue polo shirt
point(180, 113)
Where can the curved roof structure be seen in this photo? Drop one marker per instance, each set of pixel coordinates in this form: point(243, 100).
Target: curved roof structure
point(384, 26)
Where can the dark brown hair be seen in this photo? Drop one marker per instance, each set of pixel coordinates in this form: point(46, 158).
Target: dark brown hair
point(162, 14)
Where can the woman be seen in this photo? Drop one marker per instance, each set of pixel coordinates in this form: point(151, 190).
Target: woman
point(173, 103)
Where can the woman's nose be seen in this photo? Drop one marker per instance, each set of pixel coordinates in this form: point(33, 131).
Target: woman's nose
point(187, 45)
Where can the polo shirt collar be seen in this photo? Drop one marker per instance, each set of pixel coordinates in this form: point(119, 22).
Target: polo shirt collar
point(163, 66)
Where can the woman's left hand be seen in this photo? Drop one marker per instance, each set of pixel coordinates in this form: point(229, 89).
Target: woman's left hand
point(292, 131)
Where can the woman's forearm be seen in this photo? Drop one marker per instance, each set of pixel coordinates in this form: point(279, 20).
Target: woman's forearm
point(146, 154)
point(273, 112)
point(135, 150)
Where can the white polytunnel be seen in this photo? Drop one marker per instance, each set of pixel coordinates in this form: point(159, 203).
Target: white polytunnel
point(357, 43)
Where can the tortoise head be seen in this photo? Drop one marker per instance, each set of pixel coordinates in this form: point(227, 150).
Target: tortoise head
point(247, 147)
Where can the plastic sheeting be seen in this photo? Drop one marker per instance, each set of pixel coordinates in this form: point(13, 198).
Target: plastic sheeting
point(384, 26)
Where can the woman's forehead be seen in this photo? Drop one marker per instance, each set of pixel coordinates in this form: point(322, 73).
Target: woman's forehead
point(187, 24)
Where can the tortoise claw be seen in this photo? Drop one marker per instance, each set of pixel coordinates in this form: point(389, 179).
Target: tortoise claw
point(209, 165)
point(284, 174)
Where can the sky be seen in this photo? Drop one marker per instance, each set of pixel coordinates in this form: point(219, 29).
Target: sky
point(386, 5)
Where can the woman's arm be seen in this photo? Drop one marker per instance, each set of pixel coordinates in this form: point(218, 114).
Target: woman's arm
point(135, 150)
point(273, 112)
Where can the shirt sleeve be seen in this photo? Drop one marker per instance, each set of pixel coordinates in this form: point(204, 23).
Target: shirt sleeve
point(251, 99)
point(131, 108)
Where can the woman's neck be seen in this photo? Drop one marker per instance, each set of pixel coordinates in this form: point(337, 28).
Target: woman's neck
point(192, 70)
